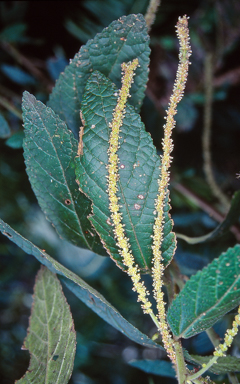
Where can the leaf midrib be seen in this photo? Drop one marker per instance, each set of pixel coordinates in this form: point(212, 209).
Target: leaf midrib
point(70, 141)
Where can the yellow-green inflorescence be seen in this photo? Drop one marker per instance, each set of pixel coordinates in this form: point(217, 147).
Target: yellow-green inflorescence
point(113, 175)
point(158, 268)
point(228, 338)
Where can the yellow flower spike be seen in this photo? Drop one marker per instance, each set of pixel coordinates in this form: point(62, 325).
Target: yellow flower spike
point(229, 335)
point(158, 268)
point(113, 175)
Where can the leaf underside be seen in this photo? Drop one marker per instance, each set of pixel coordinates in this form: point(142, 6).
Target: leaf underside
point(51, 338)
point(207, 296)
point(139, 169)
point(49, 152)
point(89, 296)
point(122, 41)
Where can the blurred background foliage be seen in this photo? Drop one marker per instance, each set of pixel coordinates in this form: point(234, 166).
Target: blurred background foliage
point(37, 39)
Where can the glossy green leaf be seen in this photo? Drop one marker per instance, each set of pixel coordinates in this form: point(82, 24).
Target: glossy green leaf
point(49, 151)
point(230, 219)
point(51, 338)
point(207, 296)
point(222, 366)
point(81, 289)
point(155, 367)
point(139, 169)
point(124, 40)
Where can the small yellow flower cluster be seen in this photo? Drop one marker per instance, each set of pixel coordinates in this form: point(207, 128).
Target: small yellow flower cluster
point(228, 338)
point(158, 268)
point(113, 175)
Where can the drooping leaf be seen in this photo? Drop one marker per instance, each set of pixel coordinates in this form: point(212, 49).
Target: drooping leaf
point(81, 289)
point(51, 338)
point(222, 366)
point(230, 219)
point(155, 367)
point(49, 151)
point(124, 40)
point(207, 296)
point(139, 169)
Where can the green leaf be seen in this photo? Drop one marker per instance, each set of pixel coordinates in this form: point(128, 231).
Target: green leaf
point(123, 41)
point(13, 33)
point(16, 140)
point(230, 219)
point(139, 170)
point(4, 128)
point(81, 289)
point(51, 338)
point(207, 296)
point(17, 75)
point(222, 366)
point(49, 151)
point(155, 367)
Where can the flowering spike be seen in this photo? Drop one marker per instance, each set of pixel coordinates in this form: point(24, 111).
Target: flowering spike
point(158, 268)
point(228, 338)
point(113, 175)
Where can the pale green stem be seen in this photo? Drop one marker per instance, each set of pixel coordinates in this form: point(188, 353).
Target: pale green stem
point(180, 362)
point(203, 369)
point(154, 319)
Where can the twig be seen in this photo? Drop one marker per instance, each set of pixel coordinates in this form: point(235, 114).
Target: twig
point(25, 62)
point(6, 104)
point(206, 139)
point(206, 207)
point(230, 77)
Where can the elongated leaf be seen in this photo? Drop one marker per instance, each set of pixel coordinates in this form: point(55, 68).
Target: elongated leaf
point(17, 75)
point(124, 40)
point(49, 151)
point(230, 219)
point(223, 365)
point(81, 289)
point(207, 296)
point(155, 367)
point(139, 170)
point(51, 338)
